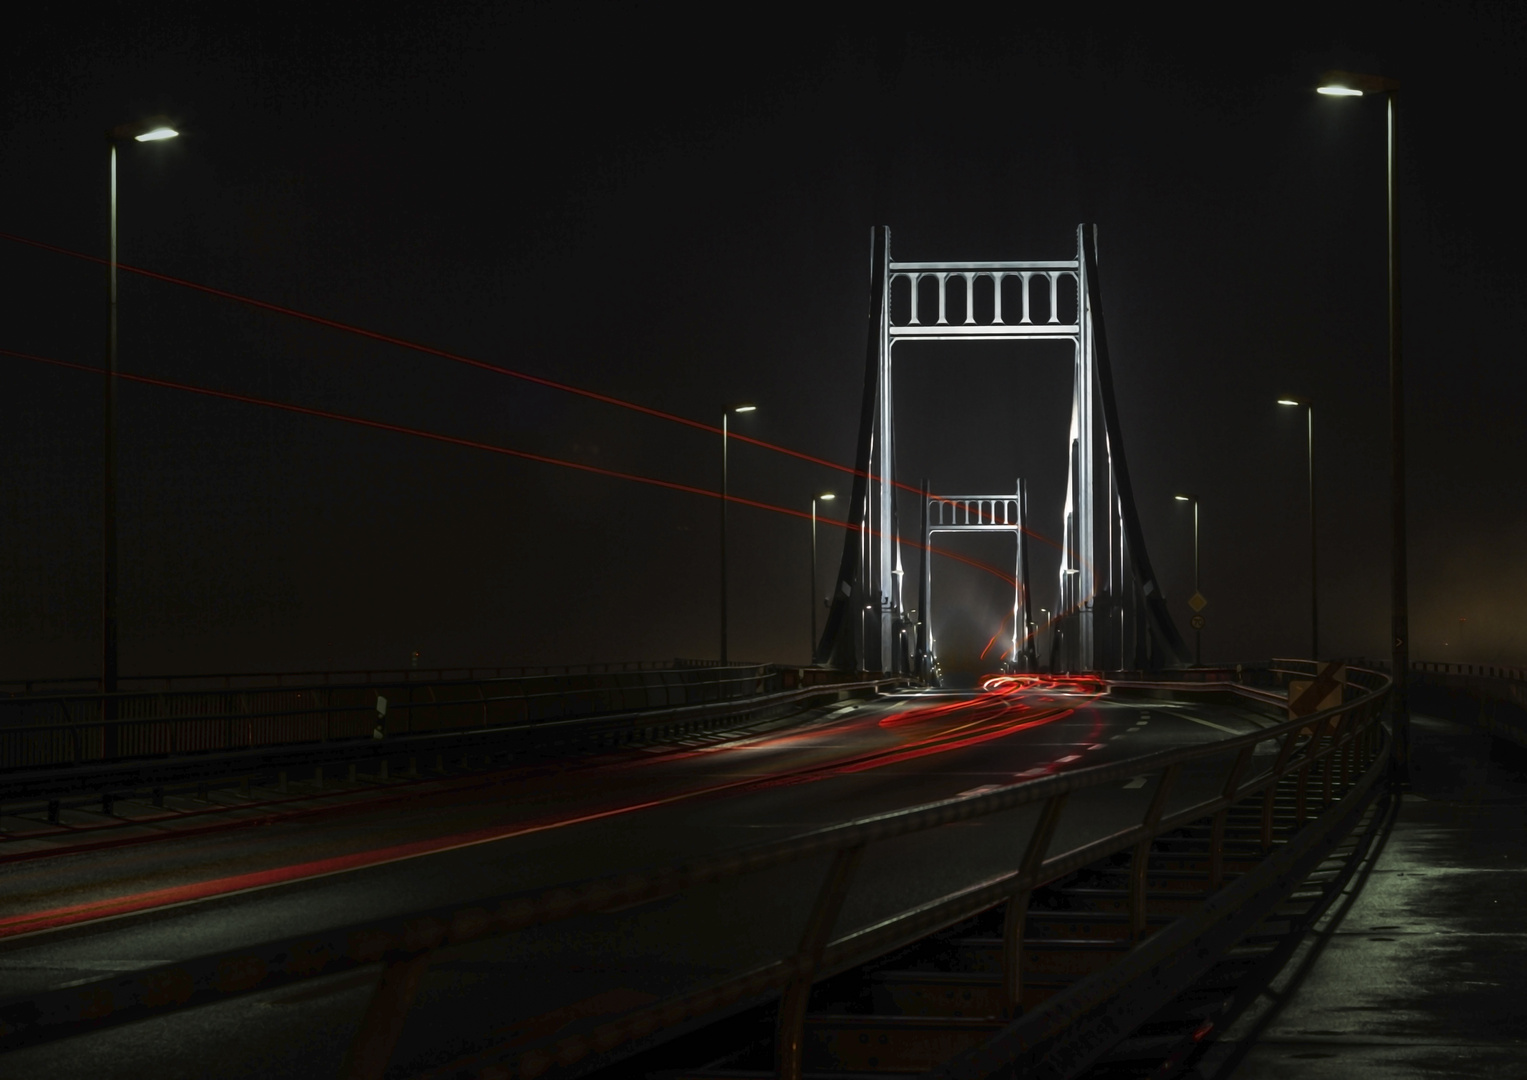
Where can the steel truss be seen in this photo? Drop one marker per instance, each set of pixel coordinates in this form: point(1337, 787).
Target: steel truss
point(978, 514)
point(1112, 615)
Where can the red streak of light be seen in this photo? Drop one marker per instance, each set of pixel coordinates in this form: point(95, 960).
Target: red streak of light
point(957, 744)
point(497, 369)
point(111, 907)
point(324, 414)
point(1000, 627)
point(443, 354)
point(421, 433)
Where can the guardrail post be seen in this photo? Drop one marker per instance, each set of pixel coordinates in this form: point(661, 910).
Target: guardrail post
point(371, 1048)
point(791, 1031)
point(1347, 739)
point(1137, 866)
point(1285, 752)
point(1015, 917)
point(1217, 832)
point(1302, 787)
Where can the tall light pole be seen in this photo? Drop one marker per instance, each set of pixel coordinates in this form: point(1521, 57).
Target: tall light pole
point(726, 416)
point(1309, 408)
point(1352, 84)
point(826, 496)
point(121, 133)
point(1198, 634)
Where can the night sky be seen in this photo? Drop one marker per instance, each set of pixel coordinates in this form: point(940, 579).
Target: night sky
point(675, 209)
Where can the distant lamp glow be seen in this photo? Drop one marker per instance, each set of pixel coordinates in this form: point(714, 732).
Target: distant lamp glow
point(1338, 91)
point(157, 134)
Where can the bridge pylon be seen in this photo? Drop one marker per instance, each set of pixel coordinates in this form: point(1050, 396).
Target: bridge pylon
point(1111, 614)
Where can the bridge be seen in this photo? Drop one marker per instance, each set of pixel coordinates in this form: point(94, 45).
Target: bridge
point(1099, 861)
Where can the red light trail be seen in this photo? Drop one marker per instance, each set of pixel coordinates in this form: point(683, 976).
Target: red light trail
point(444, 354)
point(992, 708)
point(430, 350)
point(455, 440)
point(537, 380)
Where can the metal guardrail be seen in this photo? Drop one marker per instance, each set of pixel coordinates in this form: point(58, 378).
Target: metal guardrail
point(247, 680)
point(55, 788)
point(1325, 753)
point(1494, 698)
point(1487, 671)
point(74, 729)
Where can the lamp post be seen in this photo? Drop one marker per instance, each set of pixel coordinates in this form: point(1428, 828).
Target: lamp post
point(142, 133)
point(1198, 635)
point(1309, 408)
point(826, 496)
point(726, 416)
point(1353, 84)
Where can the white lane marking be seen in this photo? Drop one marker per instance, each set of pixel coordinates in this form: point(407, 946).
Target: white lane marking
point(982, 790)
point(1038, 770)
point(1095, 746)
point(1068, 757)
point(1137, 782)
point(1211, 723)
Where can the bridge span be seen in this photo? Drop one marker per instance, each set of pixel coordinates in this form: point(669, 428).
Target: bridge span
point(910, 881)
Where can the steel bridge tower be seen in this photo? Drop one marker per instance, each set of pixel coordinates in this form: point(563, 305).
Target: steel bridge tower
point(1112, 615)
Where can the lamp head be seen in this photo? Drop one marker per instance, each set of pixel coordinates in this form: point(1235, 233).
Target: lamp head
point(156, 130)
point(1354, 84)
point(1291, 399)
point(827, 496)
point(742, 408)
point(1186, 498)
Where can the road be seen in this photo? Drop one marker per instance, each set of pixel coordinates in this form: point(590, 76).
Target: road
point(83, 916)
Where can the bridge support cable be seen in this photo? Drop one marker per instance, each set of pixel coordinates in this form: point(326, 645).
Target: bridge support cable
point(1154, 618)
point(1111, 614)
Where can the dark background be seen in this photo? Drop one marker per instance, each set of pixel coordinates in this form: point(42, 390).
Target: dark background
point(673, 207)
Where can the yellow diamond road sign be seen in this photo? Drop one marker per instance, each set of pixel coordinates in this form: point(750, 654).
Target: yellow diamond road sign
point(1197, 602)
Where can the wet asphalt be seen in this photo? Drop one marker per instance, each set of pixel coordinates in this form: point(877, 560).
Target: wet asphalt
point(1420, 971)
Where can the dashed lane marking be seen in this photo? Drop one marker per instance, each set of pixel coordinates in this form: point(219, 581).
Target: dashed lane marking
point(1211, 723)
point(982, 790)
point(1137, 782)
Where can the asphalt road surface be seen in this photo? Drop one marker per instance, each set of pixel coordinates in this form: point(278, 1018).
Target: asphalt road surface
point(80, 916)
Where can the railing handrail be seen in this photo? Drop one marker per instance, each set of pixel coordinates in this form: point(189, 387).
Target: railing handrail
point(369, 684)
point(326, 707)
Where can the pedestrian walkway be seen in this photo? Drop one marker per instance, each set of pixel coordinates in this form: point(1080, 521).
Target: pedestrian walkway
point(1420, 969)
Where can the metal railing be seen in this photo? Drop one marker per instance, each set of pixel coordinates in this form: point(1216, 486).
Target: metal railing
point(1494, 698)
point(77, 684)
point(74, 729)
point(1323, 755)
point(1489, 671)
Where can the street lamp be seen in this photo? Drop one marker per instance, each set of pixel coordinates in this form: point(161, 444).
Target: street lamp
point(152, 132)
point(1198, 635)
point(1353, 84)
point(1309, 408)
point(826, 496)
point(726, 415)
